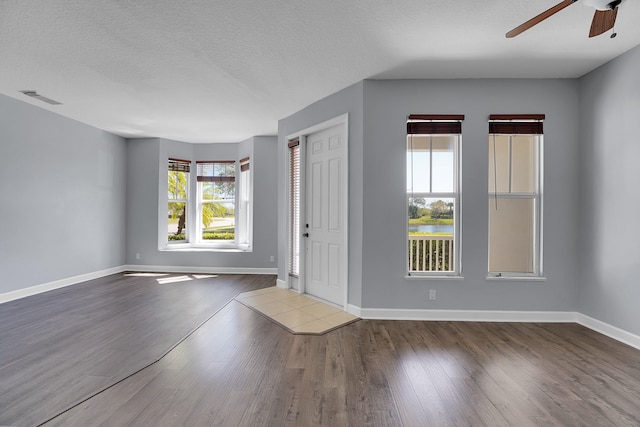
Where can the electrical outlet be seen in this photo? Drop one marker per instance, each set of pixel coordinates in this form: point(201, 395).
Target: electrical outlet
point(272, 259)
point(432, 294)
point(138, 256)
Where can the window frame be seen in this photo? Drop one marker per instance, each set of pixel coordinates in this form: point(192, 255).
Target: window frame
point(244, 211)
point(511, 126)
point(200, 202)
point(193, 228)
point(185, 165)
point(437, 125)
point(294, 156)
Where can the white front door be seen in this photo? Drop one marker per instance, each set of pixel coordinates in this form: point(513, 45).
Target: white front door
point(325, 225)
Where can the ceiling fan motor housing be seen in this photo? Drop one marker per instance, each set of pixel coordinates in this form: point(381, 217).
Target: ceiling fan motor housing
point(603, 4)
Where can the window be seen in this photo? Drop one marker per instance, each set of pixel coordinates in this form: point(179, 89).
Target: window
point(177, 198)
point(294, 208)
point(433, 194)
point(244, 229)
point(515, 201)
point(211, 209)
point(216, 201)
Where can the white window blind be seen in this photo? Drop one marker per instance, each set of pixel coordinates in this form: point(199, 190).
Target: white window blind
point(294, 208)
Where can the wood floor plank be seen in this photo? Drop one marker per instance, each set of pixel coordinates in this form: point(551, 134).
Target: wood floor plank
point(525, 362)
point(590, 381)
point(377, 373)
point(335, 411)
point(487, 370)
point(241, 369)
point(63, 346)
point(91, 412)
point(414, 392)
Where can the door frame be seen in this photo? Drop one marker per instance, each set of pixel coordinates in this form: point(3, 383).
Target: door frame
point(302, 137)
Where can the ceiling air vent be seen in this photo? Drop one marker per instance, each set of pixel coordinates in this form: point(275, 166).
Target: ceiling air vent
point(34, 94)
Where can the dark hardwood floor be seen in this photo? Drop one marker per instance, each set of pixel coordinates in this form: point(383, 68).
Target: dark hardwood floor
point(61, 347)
point(240, 369)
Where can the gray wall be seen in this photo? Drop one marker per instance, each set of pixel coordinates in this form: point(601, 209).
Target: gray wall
point(348, 100)
point(62, 182)
point(377, 211)
point(386, 106)
point(63, 197)
point(144, 157)
point(610, 198)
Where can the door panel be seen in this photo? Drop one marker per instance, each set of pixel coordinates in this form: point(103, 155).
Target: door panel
point(334, 194)
point(334, 265)
point(316, 197)
point(316, 258)
point(326, 214)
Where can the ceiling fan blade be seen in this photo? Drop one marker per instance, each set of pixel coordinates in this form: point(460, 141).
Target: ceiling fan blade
point(538, 19)
point(603, 21)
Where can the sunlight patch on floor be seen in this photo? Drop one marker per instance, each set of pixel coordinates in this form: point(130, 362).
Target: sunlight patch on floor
point(146, 274)
point(174, 279)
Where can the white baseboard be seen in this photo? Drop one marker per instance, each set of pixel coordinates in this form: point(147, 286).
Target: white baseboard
point(608, 330)
point(498, 316)
point(206, 270)
point(282, 284)
point(465, 315)
point(355, 310)
point(45, 287)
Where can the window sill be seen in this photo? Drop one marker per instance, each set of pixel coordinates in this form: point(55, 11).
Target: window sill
point(517, 278)
point(434, 277)
point(191, 248)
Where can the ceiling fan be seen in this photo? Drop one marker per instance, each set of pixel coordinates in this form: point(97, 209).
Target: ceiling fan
point(603, 19)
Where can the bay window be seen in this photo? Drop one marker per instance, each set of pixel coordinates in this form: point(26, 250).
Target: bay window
point(211, 211)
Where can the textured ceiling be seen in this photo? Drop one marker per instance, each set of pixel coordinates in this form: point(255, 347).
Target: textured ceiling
point(222, 71)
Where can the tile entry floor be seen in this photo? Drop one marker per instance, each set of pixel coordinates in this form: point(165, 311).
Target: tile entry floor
point(297, 313)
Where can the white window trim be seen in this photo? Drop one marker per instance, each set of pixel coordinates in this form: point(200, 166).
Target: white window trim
point(293, 235)
point(185, 201)
point(538, 267)
point(457, 223)
point(199, 202)
point(244, 210)
point(196, 244)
